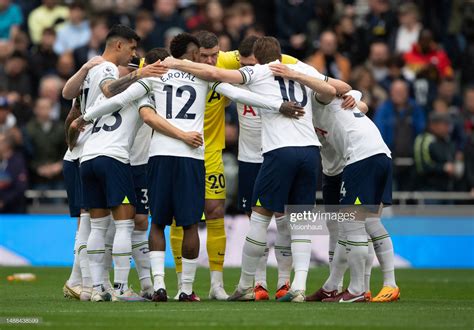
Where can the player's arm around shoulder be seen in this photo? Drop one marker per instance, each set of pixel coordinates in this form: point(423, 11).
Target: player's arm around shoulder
point(325, 92)
point(73, 85)
point(205, 71)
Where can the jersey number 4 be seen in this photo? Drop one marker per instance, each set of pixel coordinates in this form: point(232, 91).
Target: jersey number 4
point(183, 113)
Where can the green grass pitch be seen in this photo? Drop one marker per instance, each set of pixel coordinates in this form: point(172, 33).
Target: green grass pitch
point(442, 299)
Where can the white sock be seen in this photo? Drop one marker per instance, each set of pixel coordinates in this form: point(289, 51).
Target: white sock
point(109, 242)
point(261, 272)
point(254, 248)
point(301, 251)
point(179, 279)
point(383, 247)
point(189, 272)
point(96, 249)
point(338, 265)
point(157, 262)
point(283, 251)
point(357, 250)
point(82, 237)
point(140, 254)
point(75, 277)
point(121, 253)
point(217, 278)
point(333, 233)
point(369, 262)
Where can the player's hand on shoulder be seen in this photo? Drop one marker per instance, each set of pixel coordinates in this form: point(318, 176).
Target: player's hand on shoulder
point(282, 70)
point(156, 69)
point(292, 109)
point(170, 62)
point(348, 102)
point(193, 139)
point(96, 60)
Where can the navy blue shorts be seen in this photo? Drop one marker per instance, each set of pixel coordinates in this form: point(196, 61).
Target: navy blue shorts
point(248, 173)
point(107, 183)
point(287, 176)
point(139, 174)
point(331, 191)
point(176, 187)
point(367, 182)
point(72, 180)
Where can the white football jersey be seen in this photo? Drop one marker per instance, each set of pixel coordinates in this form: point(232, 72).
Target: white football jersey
point(350, 132)
point(333, 163)
point(250, 133)
point(279, 131)
point(140, 149)
point(180, 97)
point(112, 135)
point(90, 93)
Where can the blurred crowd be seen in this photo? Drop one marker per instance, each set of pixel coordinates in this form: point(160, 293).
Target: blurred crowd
point(413, 61)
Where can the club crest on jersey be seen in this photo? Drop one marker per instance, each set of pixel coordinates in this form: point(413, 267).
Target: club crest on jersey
point(108, 70)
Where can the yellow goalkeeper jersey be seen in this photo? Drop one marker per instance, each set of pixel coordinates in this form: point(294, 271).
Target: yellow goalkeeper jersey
point(214, 117)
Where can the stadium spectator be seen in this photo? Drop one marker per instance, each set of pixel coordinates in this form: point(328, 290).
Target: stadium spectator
point(43, 58)
point(96, 44)
point(409, 29)
point(166, 16)
point(377, 26)
point(46, 146)
point(291, 32)
point(400, 120)
point(456, 129)
point(74, 33)
point(49, 14)
point(467, 56)
point(65, 66)
point(233, 25)
point(11, 19)
point(396, 70)
point(328, 60)
point(434, 156)
point(8, 122)
point(447, 91)
point(50, 88)
point(378, 60)
point(16, 80)
point(347, 42)
point(144, 25)
point(363, 80)
point(13, 177)
point(427, 52)
point(469, 129)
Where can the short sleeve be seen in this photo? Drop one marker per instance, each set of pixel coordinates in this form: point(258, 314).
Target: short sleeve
point(147, 101)
point(248, 74)
point(108, 71)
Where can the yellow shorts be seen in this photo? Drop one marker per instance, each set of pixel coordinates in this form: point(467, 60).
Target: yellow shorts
point(215, 179)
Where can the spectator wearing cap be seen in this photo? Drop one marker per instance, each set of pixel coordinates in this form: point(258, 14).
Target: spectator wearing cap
point(11, 19)
point(426, 52)
point(75, 33)
point(434, 155)
point(49, 14)
point(13, 177)
point(409, 29)
point(456, 129)
point(328, 60)
point(46, 146)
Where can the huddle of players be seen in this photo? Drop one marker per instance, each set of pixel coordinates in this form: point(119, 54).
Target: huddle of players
point(176, 171)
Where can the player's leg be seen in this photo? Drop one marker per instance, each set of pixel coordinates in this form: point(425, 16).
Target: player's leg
point(214, 213)
point(246, 178)
point(337, 249)
point(140, 249)
point(188, 205)
point(176, 242)
point(283, 256)
point(302, 192)
point(270, 194)
point(109, 241)
point(382, 241)
point(121, 200)
point(82, 237)
point(160, 170)
point(369, 262)
point(94, 199)
point(73, 286)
